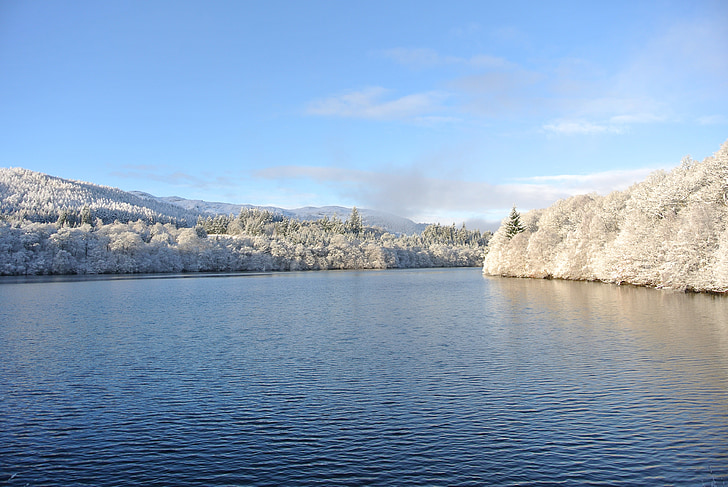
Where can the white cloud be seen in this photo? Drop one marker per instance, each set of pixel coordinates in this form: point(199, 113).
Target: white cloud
point(616, 124)
point(580, 127)
point(431, 120)
point(485, 61)
point(315, 173)
point(420, 58)
point(371, 103)
point(174, 177)
point(680, 70)
point(411, 193)
point(500, 94)
point(635, 118)
point(676, 73)
point(469, 32)
point(415, 58)
point(601, 182)
point(685, 57)
point(713, 120)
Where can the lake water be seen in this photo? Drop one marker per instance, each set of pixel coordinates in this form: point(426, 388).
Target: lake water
point(408, 377)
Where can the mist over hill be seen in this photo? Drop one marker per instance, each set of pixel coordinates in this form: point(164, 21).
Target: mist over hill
point(374, 218)
point(44, 198)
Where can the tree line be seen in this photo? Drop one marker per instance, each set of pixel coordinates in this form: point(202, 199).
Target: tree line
point(669, 231)
point(255, 240)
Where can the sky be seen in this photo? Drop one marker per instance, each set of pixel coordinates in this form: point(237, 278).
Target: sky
point(444, 112)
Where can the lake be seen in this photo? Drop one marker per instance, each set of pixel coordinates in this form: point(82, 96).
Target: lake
point(401, 377)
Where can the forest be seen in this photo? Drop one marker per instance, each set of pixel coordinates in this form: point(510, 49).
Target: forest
point(668, 231)
point(54, 226)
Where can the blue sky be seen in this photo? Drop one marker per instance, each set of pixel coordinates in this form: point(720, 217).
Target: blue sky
point(438, 111)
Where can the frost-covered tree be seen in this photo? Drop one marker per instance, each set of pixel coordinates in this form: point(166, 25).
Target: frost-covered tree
point(259, 243)
point(50, 225)
point(666, 231)
point(45, 199)
point(354, 223)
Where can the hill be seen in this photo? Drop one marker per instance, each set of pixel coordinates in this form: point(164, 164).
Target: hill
point(39, 197)
point(669, 231)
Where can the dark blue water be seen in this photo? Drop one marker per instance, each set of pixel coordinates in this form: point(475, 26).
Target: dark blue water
point(424, 377)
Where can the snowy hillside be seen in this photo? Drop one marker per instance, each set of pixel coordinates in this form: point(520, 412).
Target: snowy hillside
point(42, 198)
point(670, 231)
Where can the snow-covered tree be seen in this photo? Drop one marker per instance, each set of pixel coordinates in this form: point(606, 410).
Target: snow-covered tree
point(51, 225)
point(353, 223)
point(667, 231)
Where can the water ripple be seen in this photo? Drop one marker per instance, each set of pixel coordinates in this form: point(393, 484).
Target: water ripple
point(355, 378)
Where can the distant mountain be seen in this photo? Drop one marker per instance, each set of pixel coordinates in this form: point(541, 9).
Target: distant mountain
point(39, 197)
point(387, 221)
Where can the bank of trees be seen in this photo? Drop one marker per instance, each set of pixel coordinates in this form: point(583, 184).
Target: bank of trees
point(50, 225)
point(254, 240)
point(670, 231)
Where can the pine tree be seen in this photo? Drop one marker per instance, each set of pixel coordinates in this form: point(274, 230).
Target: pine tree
point(63, 219)
point(514, 225)
point(354, 223)
point(86, 216)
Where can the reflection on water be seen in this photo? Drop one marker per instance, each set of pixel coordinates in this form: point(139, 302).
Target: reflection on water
point(641, 362)
point(430, 377)
point(673, 326)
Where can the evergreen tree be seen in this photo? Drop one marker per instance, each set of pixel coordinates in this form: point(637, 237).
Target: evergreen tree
point(514, 225)
point(354, 223)
point(63, 219)
point(86, 216)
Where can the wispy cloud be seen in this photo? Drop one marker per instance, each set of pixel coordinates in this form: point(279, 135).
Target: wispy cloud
point(575, 97)
point(676, 74)
point(686, 57)
point(616, 124)
point(411, 193)
point(636, 118)
point(420, 58)
point(406, 191)
point(600, 182)
point(314, 173)
point(469, 32)
point(713, 120)
point(414, 58)
point(573, 93)
point(174, 177)
point(508, 94)
point(566, 96)
point(580, 127)
point(374, 103)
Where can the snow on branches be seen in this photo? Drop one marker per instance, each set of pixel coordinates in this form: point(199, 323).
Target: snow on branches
point(49, 225)
point(254, 241)
point(669, 231)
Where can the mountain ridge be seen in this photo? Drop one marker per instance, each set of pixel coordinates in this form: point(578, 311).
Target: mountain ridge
point(375, 218)
point(42, 197)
